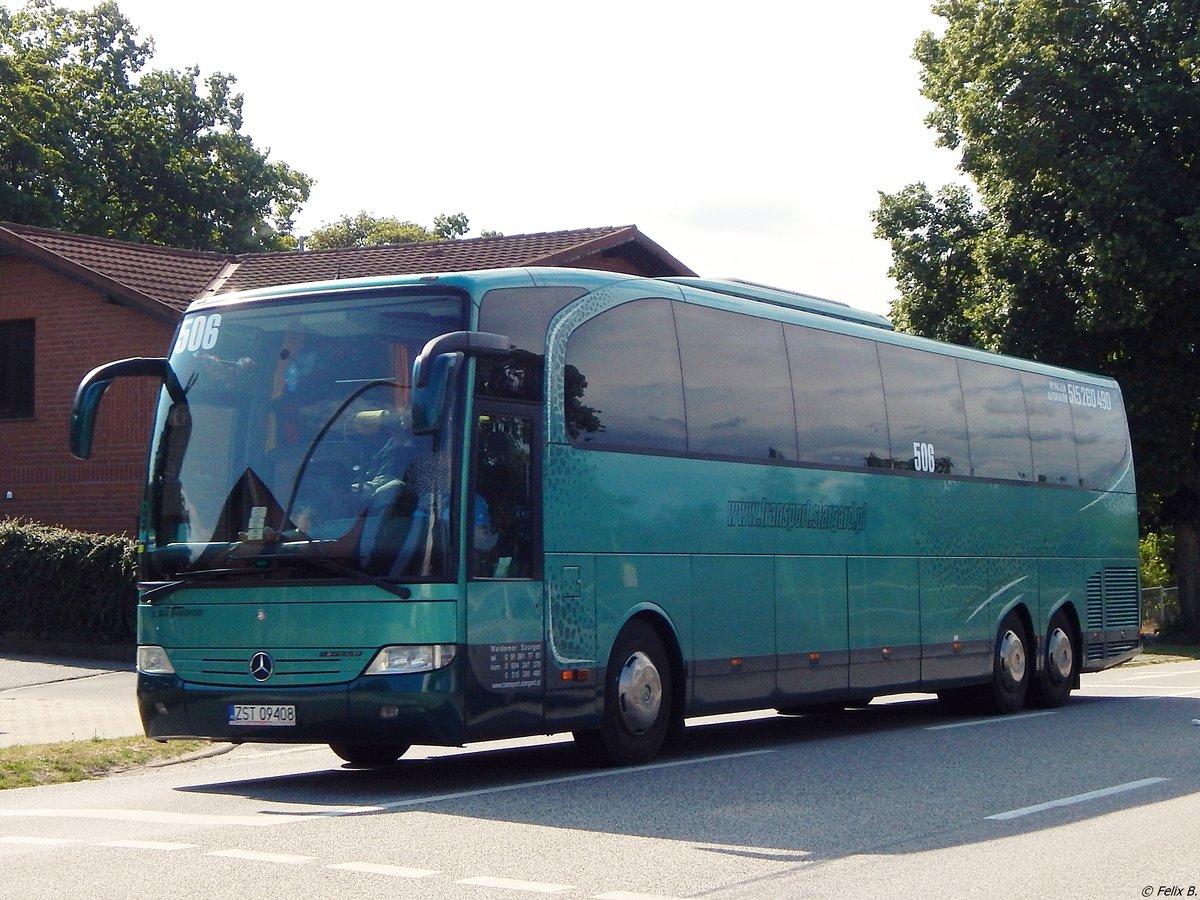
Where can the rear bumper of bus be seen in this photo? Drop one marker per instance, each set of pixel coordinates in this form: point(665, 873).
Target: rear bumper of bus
point(1105, 649)
point(376, 709)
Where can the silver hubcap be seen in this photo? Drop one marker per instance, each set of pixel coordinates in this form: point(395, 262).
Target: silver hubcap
point(639, 693)
point(1061, 655)
point(1012, 659)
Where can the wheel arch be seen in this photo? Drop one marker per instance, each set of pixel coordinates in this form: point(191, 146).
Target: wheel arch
point(1022, 611)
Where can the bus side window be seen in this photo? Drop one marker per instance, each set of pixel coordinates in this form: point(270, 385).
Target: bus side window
point(736, 385)
point(926, 416)
point(501, 511)
point(840, 416)
point(624, 385)
point(1050, 429)
point(996, 422)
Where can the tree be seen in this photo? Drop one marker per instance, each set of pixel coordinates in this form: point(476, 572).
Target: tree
point(366, 230)
point(92, 141)
point(1078, 124)
point(449, 227)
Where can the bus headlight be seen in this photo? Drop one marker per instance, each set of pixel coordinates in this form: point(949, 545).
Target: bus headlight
point(152, 660)
point(401, 659)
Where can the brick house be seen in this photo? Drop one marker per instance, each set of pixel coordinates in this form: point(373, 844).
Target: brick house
point(70, 302)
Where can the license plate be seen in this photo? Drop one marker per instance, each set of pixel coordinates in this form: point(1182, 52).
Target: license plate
point(257, 714)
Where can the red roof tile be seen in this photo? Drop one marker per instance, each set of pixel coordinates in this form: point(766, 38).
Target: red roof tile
point(266, 269)
point(170, 276)
point(163, 279)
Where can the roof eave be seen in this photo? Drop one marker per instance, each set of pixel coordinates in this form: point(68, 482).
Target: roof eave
point(628, 236)
point(111, 288)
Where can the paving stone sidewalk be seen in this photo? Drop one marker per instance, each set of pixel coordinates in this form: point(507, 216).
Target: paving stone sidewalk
point(45, 699)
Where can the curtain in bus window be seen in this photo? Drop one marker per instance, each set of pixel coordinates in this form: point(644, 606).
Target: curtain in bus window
point(736, 384)
point(623, 382)
point(840, 419)
point(996, 423)
point(1050, 429)
point(926, 419)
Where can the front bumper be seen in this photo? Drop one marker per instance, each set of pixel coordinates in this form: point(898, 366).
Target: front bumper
point(419, 708)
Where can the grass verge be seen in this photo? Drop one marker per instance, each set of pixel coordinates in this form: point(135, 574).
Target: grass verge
point(1154, 652)
point(29, 765)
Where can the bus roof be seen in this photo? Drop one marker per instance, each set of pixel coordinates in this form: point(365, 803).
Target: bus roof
point(589, 279)
point(749, 290)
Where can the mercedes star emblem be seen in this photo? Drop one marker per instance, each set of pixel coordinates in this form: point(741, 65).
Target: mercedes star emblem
point(261, 666)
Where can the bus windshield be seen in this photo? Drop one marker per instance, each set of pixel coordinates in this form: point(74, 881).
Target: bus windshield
point(291, 449)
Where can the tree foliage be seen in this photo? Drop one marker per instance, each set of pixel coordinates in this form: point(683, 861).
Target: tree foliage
point(366, 230)
point(1079, 124)
point(94, 142)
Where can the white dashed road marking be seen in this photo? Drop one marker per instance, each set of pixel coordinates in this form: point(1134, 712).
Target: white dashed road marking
point(1078, 798)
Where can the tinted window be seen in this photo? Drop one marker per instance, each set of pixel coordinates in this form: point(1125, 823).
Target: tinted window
point(1050, 429)
point(502, 514)
point(522, 315)
point(840, 416)
point(1100, 434)
point(736, 384)
point(623, 382)
point(925, 413)
point(996, 421)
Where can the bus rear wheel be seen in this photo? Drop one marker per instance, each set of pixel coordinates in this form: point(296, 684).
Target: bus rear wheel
point(638, 700)
point(370, 754)
point(1011, 667)
point(1060, 665)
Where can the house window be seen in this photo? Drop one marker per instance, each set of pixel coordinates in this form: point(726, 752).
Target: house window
point(16, 369)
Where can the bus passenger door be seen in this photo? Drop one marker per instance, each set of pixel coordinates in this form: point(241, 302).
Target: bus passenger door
point(504, 590)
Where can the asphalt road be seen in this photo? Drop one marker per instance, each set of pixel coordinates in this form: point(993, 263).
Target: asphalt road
point(1098, 799)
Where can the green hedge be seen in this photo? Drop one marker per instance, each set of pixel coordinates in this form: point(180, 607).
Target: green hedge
point(61, 585)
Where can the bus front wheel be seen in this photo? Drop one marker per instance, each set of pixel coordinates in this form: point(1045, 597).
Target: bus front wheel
point(638, 700)
point(369, 754)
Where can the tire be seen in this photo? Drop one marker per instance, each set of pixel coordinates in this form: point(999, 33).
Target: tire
point(638, 700)
point(1060, 665)
point(1012, 672)
point(370, 754)
point(1012, 667)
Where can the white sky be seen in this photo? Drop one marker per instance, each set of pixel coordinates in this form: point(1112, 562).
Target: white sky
point(750, 139)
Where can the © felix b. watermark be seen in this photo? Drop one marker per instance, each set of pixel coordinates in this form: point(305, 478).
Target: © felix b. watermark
point(1171, 890)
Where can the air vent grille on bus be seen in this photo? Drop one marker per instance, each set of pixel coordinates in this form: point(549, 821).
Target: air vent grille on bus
point(1122, 606)
point(1113, 605)
point(1095, 603)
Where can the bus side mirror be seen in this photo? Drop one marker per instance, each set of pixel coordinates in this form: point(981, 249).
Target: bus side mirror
point(86, 404)
point(434, 370)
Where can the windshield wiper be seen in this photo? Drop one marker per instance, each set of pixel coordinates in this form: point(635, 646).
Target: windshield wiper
point(269, 564)
point(182, 578)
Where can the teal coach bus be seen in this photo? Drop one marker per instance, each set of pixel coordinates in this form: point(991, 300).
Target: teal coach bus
point(452, 508)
